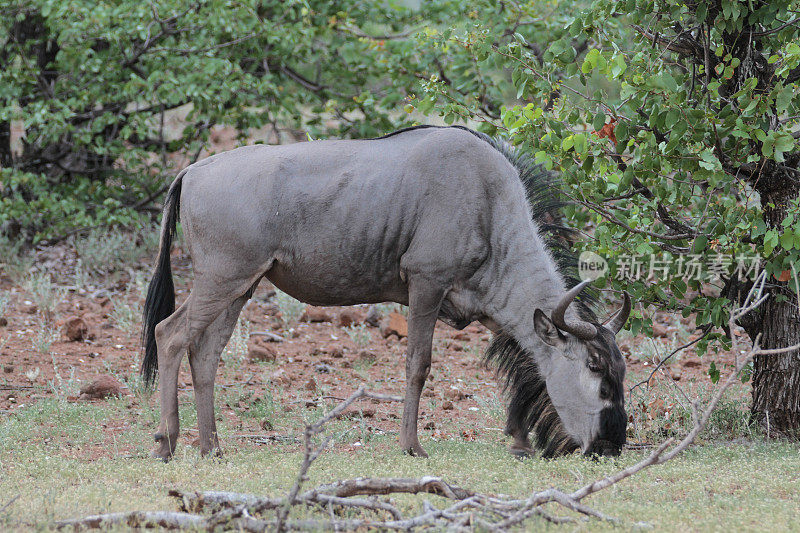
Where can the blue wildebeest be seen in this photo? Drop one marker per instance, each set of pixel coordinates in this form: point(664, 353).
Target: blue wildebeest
point(442, 219)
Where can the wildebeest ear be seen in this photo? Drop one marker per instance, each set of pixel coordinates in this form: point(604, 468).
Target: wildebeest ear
point(545, 329)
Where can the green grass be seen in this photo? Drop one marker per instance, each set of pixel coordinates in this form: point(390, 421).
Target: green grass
point(57, 458)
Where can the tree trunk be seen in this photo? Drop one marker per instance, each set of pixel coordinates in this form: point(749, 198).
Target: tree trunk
point(776, 378)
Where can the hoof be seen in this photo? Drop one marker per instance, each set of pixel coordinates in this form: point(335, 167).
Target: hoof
point(213, 453)
point(163, 451)
point(416, 451)
point(522, 453)
point(163, 458)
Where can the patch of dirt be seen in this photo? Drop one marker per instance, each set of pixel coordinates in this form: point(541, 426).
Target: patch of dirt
point(319, 360)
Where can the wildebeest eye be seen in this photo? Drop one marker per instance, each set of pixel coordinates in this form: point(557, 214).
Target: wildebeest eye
point(605, 394)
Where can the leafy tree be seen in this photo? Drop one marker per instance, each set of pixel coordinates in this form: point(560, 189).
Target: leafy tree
point(675, 126)
point(93, 84)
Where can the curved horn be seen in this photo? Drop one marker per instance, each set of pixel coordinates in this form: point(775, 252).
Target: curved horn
point(620, 317)
point(582, 330)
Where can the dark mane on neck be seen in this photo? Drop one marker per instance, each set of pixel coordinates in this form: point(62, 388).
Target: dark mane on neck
point(530, 407)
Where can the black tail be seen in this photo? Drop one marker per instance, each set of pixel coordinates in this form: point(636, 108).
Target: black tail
point(160, 300)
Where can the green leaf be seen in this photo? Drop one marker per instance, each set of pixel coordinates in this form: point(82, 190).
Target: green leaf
point(521, 88)
point(619, 66)
point(713, 372)
point(784, 98)
point(783, 143)
point(579, 142)
point(771, 239)
point(699, 244)
point(709, 161)
point(787, 239)
point(599, 121)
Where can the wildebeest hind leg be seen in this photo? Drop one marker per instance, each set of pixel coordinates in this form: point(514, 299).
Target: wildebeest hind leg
point(171, 343)
point(182, 330)
point(204, 361)
point(424, 301)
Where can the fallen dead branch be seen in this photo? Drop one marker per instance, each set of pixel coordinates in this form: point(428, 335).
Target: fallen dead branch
point(274, 337)
point(8, 504)
point(466, 510)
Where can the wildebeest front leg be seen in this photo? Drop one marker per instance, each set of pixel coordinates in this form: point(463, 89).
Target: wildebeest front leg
point(204, 361)
point(424, 301)
point(521, 447)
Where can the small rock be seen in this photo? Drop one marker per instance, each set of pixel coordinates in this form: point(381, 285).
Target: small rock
point(336, 352)
point(347, 317)
point(394, 324)
point(102, 387)
point(322, 368)
point(447, 405)
point(3, 321)
point(75, 329)
point(373, 317)
point(259, 351)
point(315, 314)
point(454, 395)
point(365, 356)
point(279, 377)
point(676, 373)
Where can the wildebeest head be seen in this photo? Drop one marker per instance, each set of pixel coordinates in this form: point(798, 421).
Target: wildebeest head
point(583, 371)
point(569, 393)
